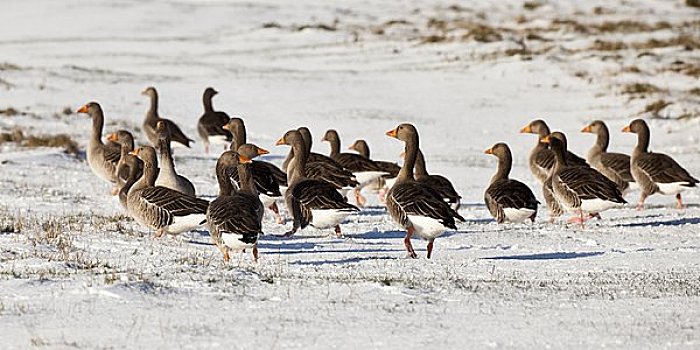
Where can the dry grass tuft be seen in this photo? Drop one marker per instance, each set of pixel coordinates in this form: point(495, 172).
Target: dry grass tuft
point(656, 107)
point(640, 88)
point(60, 140)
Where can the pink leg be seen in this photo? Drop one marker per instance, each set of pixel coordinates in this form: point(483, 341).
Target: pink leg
point(642, 198)
point(382, 195)
point(359, 198)
point(679, 202)
point(276, 212)
point(430, 248)
point(115, 190)
point(206, 148)
point(159, 232)
point(407, 243)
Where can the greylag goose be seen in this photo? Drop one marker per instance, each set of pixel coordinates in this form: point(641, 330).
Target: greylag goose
point(580, 189)
point(439, 183)
point(508, 199)
point(392, 169)
point(102, 159)
point(235, 217)
point(168, 177)
point(615, 166)
point(267, 177)
point(210, 125)
point(152, 118)
point(310, 201)
point(365, 170)
point(541, 158)
point(656, 172)
point(160, 208)
point(553, 206)
point(322, 167)
point(129, 168)
point(414, 205)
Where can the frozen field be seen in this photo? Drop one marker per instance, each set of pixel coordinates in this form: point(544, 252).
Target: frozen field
point(76, 273)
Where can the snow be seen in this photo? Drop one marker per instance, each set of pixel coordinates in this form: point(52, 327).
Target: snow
point(75, 271)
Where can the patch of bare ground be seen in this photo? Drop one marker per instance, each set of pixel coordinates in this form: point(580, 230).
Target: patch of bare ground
point(33, 141)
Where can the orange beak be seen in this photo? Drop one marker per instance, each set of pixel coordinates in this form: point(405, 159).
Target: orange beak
point(526, 130)
point(393, 133)
point(144, 92)
point(226, 127)
point(488, 151)
point(135, 152)
point(281, 141)
point(545, 139)
point(586, 128)
point(112, 137)
point(626, 129)
point(262, 151)
point(244, 159)
point(83, 109)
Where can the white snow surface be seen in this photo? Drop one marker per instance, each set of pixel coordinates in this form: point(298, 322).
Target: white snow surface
point(76, 272)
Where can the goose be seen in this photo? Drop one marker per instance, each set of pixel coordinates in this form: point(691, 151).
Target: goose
point(101, 158)
point(439, 183)
point(160, 208)
point(656, 172)
point(235, 216)
point(210, 124)
point(580, 189)
point(322, 167)
point(168, 177)
point(152, 118)
point(311, 201)
point(553, 206)
point(413, 205)
point(267, 177)
point(365, 170)
point(615, 166)
point(541, 158)
point(129, 168)
point(392, 169)
point(508, 199)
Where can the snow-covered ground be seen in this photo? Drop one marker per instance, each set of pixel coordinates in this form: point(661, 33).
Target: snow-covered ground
point(75, 272)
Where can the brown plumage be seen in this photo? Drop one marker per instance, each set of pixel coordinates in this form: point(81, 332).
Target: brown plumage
point(656, 172)
point(508, 199)
point(210, 124)
point(415, 206)
point(615, 166)
point(152, 118)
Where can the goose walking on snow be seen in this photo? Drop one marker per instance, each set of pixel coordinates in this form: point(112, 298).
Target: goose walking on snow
point(101, 158)
point(310, 201)
point(235, 217)
point(160, 208)
point(615, 166)
point(415, 206)
point(580, 189)
point(508, 199)
point(267, 177)
point(656, 172)
point(210, 124)
point(152, 119)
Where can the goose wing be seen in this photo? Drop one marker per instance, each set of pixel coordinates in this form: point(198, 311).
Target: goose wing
point(588, 183)
point(664, 169)
point(618, 163)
